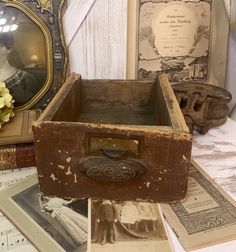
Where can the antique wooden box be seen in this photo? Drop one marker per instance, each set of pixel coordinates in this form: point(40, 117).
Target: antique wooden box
point(112, 139)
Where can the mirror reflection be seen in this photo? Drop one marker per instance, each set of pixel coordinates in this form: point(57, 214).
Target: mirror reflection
point(22, 55)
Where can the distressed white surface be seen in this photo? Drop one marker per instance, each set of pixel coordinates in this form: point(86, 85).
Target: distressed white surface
point(231, 65)
point(73, 18)
point(219, 44)
point(10, 177)
point(215, 152)
point(98, 48)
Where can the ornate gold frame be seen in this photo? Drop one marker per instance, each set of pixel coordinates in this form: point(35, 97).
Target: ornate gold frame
point(47, 16)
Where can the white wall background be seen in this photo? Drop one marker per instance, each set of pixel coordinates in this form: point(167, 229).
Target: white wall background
point(97, 47)
point(231, 68)
point(96, 35)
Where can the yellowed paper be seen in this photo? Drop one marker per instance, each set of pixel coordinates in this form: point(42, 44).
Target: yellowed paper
point(206, 216)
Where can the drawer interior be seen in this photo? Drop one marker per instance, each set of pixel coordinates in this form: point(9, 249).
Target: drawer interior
point(124, 102)
point(120, 102)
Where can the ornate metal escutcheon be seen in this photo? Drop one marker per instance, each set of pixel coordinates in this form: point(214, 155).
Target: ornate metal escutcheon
point(111, 168)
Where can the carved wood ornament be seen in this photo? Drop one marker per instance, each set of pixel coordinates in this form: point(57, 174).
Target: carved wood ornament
point(204, 106)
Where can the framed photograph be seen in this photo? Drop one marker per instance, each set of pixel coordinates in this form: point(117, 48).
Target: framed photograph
point(127, 225)
point(33, 56)
point(186, 39)
point(51, 224)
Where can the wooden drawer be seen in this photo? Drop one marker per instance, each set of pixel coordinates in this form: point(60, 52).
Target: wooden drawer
point(121, 140)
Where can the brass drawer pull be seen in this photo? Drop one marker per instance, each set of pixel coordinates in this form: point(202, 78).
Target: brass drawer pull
point(108, 169)
point(114, 153)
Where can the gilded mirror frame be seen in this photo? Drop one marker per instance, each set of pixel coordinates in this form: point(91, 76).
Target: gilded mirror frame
point(46, 15)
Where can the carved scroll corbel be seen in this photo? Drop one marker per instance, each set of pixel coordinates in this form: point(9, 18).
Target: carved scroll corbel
point(204, 106)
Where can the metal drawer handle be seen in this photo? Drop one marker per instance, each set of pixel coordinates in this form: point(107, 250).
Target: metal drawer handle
point(107, 169)
point(114, 153)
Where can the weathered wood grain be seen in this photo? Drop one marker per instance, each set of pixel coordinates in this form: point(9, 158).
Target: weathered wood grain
point(73, 18)
point(98, 48)
point(110, 109)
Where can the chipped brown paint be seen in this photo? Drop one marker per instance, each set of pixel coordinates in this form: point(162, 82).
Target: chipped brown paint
point(163, 148)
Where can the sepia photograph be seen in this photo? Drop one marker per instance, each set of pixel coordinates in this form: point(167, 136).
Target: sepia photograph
point(126, 225)
point(33, 56)
point(23, 59)
point(52, 223)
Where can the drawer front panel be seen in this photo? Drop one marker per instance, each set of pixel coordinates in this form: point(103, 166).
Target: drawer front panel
point(69, 167)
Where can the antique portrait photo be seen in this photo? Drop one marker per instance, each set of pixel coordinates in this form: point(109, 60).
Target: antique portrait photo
point(23, 60)
point(50, 223)
point(126, 225)
point(64, 220)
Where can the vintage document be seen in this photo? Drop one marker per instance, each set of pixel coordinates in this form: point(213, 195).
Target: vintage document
point(174, 37)
point(206, 216)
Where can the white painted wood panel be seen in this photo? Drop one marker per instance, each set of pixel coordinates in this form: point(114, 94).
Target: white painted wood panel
point(73, 18)
point(98, 48)
point(231, 67)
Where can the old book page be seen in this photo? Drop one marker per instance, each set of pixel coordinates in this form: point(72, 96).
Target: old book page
point(206, 216)
point(19, 129)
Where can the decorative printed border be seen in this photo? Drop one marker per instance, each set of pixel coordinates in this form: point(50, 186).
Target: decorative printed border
point(220, 216)
point(193, 65)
